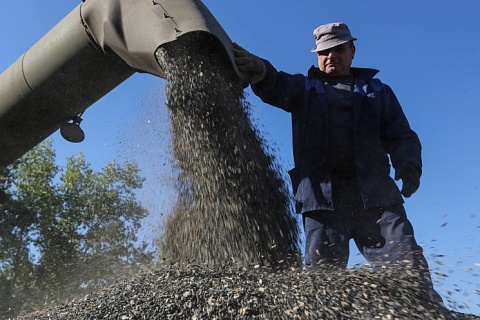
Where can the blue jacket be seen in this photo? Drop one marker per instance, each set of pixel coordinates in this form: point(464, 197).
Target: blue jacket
point(380, 130)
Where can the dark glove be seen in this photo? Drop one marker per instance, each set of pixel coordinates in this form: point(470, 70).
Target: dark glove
point(249, 64)
point(410, 176)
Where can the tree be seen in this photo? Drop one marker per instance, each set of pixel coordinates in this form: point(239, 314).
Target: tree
point(65, 231)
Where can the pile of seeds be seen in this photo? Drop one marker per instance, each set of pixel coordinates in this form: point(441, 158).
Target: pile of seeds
point(232, 203)
point(255, 292)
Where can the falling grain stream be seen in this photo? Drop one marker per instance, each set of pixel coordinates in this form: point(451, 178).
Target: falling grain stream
point(232, 203)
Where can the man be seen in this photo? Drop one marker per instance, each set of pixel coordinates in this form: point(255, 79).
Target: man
point(346, 124)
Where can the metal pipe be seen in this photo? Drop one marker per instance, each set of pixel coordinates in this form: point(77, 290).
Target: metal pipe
point(92, 50)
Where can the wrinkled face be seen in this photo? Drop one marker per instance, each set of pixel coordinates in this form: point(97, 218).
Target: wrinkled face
point(336, 61)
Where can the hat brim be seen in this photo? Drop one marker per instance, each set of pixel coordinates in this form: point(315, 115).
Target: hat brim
point(331, 43)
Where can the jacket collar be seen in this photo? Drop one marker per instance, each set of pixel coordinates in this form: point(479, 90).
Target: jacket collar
point(365, 74)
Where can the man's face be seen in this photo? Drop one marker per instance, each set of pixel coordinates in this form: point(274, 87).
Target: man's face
point(336, 61)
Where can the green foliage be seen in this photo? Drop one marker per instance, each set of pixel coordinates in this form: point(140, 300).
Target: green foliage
point(66, 231)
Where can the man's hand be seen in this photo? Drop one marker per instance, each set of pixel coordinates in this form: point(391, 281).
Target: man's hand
point(250, 65)
point(410, 176)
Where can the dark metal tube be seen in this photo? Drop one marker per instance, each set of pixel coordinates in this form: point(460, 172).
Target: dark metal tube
point(58, 78)
point(91, 51)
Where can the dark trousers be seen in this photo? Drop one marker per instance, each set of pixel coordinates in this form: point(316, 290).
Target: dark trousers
point(384, 236)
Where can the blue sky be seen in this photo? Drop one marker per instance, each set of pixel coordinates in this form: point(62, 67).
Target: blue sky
point(427, 51)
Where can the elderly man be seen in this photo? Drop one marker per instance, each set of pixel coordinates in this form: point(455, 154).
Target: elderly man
point(346, 124)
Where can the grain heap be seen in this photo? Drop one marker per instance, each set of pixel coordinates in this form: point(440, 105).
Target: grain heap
point(232, 203)
point(197, 292)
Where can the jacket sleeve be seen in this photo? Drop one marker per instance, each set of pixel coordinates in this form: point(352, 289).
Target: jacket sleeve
point(400, 140)
point(280, 89)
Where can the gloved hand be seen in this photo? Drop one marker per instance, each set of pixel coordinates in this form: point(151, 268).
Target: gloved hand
point(249, 64)
point(410, 176)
